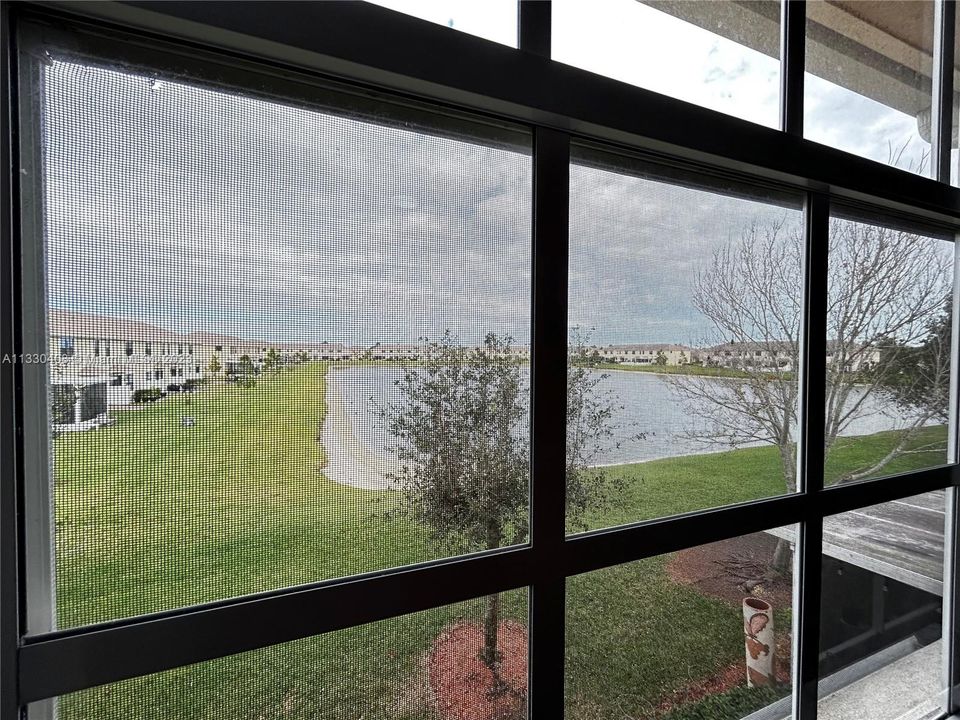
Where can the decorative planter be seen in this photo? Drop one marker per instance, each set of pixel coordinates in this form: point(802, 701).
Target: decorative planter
point(758, 633)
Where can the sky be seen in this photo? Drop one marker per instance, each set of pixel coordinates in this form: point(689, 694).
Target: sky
point(197, 209)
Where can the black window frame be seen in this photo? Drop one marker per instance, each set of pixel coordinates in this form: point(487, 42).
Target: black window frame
point(409, 57)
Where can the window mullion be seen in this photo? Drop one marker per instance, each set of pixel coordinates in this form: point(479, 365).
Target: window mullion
point(10, 591)
point(551, 188)
point(793, 19)
point(810, 457)
point(951, 548)
point(533, 26)
point(941, 114)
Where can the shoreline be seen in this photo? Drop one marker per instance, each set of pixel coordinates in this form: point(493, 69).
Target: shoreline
point(352, 463)
point(348, 461)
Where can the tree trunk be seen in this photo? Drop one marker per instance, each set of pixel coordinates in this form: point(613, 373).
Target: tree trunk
point(491, 616)
point(491, 623)
point(782, 563)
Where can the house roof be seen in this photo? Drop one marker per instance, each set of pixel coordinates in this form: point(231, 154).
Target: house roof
point(74, 324)
point(208, 338)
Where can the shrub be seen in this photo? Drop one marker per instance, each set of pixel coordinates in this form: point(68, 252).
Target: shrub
point(147, 395)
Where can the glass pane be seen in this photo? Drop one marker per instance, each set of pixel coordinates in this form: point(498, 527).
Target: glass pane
point(888, 350)
point(416, 667)
point(701, 634)
point(490, 19)
point(880, 618)
point(722, 55)
point(684, 311)
point(253, 310)
point(867, 89)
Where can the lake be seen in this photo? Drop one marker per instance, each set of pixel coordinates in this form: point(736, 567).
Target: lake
point(651, 422)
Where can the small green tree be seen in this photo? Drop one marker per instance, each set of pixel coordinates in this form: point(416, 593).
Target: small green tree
point(661, 359)
point(215, 367)
point(271, 361)
point(917, 377)
point(461, 438)
point(246, 373)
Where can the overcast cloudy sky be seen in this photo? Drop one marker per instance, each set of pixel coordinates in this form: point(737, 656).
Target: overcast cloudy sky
point(201, 210)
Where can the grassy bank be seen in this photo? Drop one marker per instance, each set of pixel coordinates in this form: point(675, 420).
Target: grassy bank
point(152, 515)
point(676, 370)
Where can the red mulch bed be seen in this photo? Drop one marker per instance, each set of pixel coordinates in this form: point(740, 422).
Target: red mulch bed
point(464, 687)
point(721, 570)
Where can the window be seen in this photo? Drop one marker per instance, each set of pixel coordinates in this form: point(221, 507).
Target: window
point(66, 347)
point(407, 664)
point(881, 622)
point(675, 442)
point(722, 55)
point(461, 308)
point(96, 348)
point(706, 630)
point(889, 320)
point(867, 88)
point(603, 403)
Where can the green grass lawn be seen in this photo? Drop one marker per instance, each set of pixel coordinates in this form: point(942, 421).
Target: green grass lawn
point(153, 516)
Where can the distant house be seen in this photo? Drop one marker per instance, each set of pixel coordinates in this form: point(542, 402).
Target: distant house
point(648, 354)
point(773, 355)
point(779, 355)
point(128, 355)
point(390, 351)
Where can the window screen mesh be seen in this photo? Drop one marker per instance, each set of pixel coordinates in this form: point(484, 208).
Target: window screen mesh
point(684, 307)
point(257, 298)
point(424, 666)
point(704, 634)
point(889, 319)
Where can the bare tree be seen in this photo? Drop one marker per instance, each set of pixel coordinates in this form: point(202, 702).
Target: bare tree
point(885, 290)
